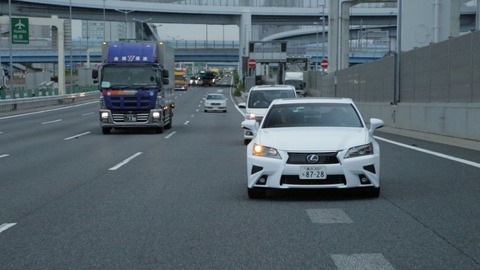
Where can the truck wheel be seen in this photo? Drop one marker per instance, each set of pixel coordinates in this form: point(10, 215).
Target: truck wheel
point(106, 130)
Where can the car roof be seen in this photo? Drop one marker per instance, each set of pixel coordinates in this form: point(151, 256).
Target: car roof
point(272, 87)
point(312, 100)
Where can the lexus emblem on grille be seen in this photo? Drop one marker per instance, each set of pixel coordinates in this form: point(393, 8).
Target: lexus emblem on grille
point(313, 158)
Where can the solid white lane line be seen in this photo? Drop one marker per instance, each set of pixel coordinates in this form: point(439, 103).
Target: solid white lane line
point(186, 123)
point(464, 161)
point(5, 226)
point(170, 135)
point(124, 162)
point(51, 110)
point(76, 136)
point(51, 122)
point(90, 113)
point(4, 155)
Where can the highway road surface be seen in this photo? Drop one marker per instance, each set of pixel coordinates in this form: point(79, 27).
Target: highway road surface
point(72, 198)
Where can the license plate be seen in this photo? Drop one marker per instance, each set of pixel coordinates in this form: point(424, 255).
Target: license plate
point(130, 118)
point(313, 172)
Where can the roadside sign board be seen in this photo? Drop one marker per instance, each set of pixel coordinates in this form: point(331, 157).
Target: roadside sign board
point(324, 63)
point(20, 30)
point(252, 62)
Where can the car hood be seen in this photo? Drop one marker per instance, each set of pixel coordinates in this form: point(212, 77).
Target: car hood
point(312, 138)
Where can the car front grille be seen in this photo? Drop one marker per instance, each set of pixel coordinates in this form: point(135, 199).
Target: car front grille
point(140, 117)
point(130, 102)
point(324, 158)
point(330, 180)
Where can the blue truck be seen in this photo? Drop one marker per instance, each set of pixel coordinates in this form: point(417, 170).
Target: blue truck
point(133, 80)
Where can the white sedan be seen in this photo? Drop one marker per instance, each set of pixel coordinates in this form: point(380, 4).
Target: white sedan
point(215, 102)
point(312, 143)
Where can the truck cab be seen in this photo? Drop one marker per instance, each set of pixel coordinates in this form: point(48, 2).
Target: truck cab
point(131, 81)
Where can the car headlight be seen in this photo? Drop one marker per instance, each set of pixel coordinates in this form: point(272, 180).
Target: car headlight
point(250, 116)
point(265, 151)
point(361, 150)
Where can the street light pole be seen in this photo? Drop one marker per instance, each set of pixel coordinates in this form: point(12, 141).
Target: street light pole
point(142, 22)
point(316, 46)
point(323, 30)
point(104, 31)
point(125, 11)
point(71, 49)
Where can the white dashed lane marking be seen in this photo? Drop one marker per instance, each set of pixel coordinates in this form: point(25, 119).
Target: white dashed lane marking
point(124, 162)
point(361, 261)
point(6, 226)
point(328, 216)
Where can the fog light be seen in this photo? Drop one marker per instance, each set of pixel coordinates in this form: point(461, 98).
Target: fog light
point(262, 180)
point(364, 180)
point(156, 115)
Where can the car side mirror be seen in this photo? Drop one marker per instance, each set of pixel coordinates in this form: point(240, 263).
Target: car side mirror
point(165, 73)
point(242, 105)
point(251, 125)
point(375, 123)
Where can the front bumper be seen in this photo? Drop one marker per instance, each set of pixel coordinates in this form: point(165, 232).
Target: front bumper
point(131, 119)
point(215, 108)
point(347, 173)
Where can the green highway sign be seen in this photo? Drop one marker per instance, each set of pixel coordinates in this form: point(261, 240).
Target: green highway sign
point(20, 32)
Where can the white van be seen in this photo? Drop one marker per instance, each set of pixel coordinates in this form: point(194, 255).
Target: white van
point(259, 99)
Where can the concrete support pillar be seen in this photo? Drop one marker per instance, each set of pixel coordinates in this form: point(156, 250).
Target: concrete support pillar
point(339, 33)
point(333, 35)
point(478, 16)
point(245, 30)
point(344, 21)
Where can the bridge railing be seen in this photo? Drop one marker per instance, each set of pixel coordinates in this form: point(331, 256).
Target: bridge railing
point(262, 3)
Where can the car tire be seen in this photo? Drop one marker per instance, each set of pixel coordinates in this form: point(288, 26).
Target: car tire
point(373, 192)
point(106, 130)
point(256, 193)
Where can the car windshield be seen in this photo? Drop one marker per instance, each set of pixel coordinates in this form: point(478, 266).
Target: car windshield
point(262, 99)
point(216, 97)
point(312, 115)
point(123, 76)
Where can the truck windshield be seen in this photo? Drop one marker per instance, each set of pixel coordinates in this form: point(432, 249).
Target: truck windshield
point(131, 76)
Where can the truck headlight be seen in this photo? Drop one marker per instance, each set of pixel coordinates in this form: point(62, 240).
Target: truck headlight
point(156, 115)
point(104, 116)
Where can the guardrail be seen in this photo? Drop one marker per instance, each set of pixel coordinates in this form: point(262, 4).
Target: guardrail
point(11, 105)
